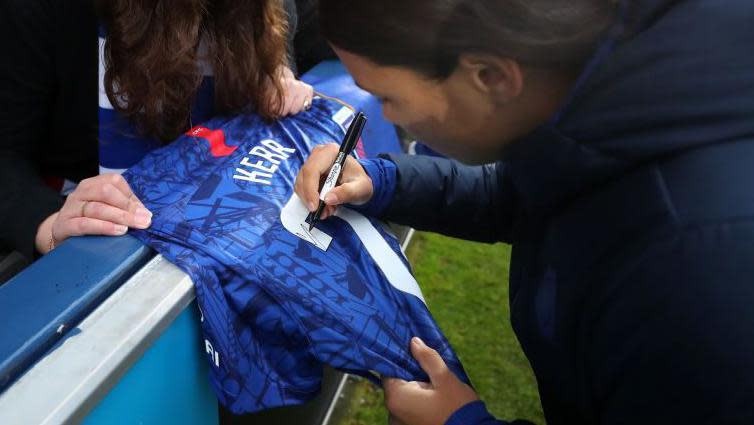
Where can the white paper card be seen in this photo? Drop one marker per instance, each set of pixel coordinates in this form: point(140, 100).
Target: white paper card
point(293, 216)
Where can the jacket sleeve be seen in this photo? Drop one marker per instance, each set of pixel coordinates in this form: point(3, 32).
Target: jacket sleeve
point(444, 196)
point(475, 413)
point(26, 93)
point(673, 333)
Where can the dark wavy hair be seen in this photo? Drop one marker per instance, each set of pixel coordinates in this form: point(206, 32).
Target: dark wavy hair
point(152, 56)
point(428, 36)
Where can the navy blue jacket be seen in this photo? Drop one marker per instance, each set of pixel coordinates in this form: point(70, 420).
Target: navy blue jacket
point(631, 215)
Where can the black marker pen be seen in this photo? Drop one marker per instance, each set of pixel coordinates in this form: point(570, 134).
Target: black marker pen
point(346, 146)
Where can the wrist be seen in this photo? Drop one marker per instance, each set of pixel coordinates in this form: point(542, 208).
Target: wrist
point(45, 241)
point(382, 173)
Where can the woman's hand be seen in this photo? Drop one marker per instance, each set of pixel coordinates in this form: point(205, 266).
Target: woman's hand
point(101, 205)
point(422, 403)
point(297, 95)
point(355, 185)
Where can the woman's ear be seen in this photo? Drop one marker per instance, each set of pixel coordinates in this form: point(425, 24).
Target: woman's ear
point(499, 78)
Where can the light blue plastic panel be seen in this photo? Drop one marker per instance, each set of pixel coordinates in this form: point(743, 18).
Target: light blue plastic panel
point(168, 385)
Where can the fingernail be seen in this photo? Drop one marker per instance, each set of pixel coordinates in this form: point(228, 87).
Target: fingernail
point(312, 206)
point(120, 229)
point(418, 342)
point(331, 199)
point(143, 217)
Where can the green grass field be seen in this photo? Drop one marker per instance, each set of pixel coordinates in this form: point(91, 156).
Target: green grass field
point(466, 287)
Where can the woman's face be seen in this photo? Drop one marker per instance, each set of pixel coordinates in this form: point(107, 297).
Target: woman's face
point(457, 116)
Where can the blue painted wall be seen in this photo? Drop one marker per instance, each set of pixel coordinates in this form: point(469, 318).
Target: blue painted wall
point(168, 385)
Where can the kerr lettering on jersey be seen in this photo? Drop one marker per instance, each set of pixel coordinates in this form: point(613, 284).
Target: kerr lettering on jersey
point(262, 162)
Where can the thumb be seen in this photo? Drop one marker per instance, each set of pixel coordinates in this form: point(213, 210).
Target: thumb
point(354, 192)
point(430, 361)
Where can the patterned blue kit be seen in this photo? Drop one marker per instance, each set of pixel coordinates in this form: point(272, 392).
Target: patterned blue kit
point(275, 307)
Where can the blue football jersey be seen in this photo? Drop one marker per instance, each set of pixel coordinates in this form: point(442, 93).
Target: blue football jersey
point(275, 307)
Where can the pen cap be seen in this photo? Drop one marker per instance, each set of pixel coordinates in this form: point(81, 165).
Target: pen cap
point(354, 133)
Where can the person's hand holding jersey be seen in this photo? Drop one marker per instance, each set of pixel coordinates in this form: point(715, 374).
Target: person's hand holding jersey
point(427, 403)
point(297, 95)
point(101, 205)
point(355, 186)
